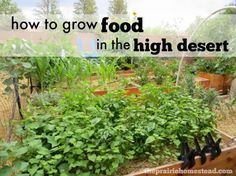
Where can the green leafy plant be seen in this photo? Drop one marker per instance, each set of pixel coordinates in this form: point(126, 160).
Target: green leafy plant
point(209, 97)
point(143, 70)
point(161, 71)
point(83, 134)
point(10, 158)
point(106, 71)
point(46, 72)
point(221, 65)
point(42, 71)
point(165, 72)
point(45, 99)
point(160, 74)
point(42, 65)
point(125, 63)
point(77, 69)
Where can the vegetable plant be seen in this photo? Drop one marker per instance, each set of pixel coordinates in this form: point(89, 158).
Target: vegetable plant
point(220, 65)
point(143, 70)
point(45, 72)
point(106, 71)
point(157, 70)
point(81, 134)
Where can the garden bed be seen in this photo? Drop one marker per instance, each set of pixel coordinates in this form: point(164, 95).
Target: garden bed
point(106, 132)
point(218, 82)
point(226, 160)
point(140, 167)
point(228, 123)
point(226, 114)
point(69, 130)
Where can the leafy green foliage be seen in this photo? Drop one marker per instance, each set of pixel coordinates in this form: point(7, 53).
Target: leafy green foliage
point(157, 70)
point(106, 71)
point(83, 134)
point(165, 72)
point(46, 72)
point(45, 99)
point(17, 48)
point(83, 7)
point(222, 25)
point(143, 70)
point(46, 8)
point(223, 65)
point(7, 7)
point(9, 153)
point(124, 63)
point(209, 97)
point(118, 7)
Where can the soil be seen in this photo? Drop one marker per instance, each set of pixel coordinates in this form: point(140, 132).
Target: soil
point(227, 123)
point(134, 166)
point(139, 165)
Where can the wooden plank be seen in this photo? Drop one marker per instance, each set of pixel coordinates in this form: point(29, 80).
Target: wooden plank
point(227, 160)
point(205, 83)
point(227, 139)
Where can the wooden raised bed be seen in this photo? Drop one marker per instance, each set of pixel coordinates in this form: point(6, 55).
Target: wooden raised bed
point(218, 82)
point(129, 91)
point(120, 73)
point(126, 73)
point(227, 160)
point(205, 83)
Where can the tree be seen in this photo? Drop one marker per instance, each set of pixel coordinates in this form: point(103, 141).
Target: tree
point(231, 10)
point(7, 7)
point(85, 7)
point(118, 7)
point(46, 8)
